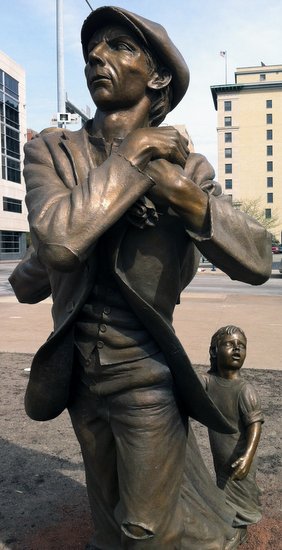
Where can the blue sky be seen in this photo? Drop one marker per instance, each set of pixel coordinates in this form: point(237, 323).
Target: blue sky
point(249, 30)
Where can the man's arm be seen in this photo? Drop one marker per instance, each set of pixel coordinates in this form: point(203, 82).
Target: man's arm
point(29, 279)
point(229, 238)
point(65, 222)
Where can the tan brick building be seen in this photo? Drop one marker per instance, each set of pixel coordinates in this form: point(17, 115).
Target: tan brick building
point(249, 127)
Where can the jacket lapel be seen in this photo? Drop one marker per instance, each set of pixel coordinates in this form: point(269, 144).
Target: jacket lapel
point(78, 153)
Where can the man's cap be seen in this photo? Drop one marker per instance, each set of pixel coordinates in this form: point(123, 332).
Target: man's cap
point(152, 34)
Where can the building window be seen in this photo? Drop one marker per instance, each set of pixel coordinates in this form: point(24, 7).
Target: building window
point(262, 77)
point(3, 167)
point(12, 205)
point(268, 213)
point(228, 153)
point(269, 181)
point(13, 170)
point(269, 197)
point(227, 105)
point(12, 147)
point(269, 134)
point(10, 128)
point(227, 121)
point(228, 184)
point(228, 137)
point(269, 118)
point(11, 86)
point(269, 166)
point(228, 168)
point(269, 150)
point(268, 103)
point(10, 242)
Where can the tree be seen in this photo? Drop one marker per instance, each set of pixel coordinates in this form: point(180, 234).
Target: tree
point(253, 208)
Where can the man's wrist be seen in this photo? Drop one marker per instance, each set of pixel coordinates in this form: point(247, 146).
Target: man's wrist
point(136, 167)
point(192, 204)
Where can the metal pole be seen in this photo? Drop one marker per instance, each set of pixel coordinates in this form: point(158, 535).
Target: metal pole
point(60, 60)
point(225, 58)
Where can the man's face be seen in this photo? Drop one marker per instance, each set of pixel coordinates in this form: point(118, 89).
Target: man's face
point(231, 352)
point(117, 71)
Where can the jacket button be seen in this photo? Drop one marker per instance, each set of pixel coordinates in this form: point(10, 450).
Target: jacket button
point(100, 344)
point(102, 328)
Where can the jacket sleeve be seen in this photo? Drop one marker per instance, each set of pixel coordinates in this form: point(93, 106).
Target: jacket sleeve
point(235, 243)
point(66, 221)
point(30, 280)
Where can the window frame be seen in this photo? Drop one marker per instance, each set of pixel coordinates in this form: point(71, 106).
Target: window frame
point(228, 183)
point(269, 118)
point(269, 198)
point(229, 138)
point(228, 168)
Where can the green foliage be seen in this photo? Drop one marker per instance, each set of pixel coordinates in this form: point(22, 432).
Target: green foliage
point(253, 208)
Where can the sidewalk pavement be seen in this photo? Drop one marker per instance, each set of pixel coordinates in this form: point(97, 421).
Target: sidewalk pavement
point(25, 327)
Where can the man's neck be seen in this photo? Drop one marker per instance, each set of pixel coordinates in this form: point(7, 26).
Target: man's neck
point(118, 124)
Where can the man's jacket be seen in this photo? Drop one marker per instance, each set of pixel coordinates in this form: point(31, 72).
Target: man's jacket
point(77, 190)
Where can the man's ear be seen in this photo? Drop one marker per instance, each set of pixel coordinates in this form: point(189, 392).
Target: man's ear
point(159, 79)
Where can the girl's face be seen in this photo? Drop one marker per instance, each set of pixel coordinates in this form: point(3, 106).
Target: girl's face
point(231, 352)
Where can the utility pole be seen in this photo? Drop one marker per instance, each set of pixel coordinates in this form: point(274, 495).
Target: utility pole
point(60, 61)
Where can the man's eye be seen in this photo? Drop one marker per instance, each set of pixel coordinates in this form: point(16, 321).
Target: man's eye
point(120, 45)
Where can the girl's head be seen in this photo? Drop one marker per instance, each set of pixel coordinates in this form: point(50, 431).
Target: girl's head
point(221, 336)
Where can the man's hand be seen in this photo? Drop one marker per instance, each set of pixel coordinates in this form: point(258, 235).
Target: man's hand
point(241, 467)
point(146, 144)
point(174, 189)
point(168, 178)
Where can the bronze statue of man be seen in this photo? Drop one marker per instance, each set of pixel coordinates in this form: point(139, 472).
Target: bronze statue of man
point(119, 215)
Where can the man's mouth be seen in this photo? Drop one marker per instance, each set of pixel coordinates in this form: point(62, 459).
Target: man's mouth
point(99, 77)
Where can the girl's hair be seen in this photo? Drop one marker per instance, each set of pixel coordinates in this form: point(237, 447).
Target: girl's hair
point(229, 329)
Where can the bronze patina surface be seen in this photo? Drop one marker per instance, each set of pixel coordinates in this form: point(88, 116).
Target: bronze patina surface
point(119, 215)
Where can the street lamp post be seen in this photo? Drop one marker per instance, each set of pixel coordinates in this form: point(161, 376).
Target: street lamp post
point(60, 61)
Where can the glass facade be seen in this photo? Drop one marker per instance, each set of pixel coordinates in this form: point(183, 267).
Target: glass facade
point(13, 223)
point(10, 128)
point(12, 205)
point(12, 245)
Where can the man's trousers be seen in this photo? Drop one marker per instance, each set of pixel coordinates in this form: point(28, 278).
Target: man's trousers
point(133, 446)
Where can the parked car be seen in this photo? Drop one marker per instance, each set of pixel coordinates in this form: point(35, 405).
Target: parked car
point(276, 249)
point(280, 267)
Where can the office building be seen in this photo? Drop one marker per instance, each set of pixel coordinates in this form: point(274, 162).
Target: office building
point(250, 138)
point(13, 213)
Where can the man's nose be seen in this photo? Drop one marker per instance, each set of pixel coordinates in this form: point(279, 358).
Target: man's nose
point(97, 54)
